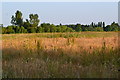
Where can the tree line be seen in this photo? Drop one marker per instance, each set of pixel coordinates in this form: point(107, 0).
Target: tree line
point(31, 25)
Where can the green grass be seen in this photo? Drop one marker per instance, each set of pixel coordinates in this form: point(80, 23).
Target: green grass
point(62, 35)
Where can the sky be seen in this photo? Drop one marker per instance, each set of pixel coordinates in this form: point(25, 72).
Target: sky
point(119, 13)
point(63, 12)
point(0, 12)
point(59, 0)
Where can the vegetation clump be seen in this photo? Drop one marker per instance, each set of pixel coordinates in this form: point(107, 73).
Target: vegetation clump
point(31, 25)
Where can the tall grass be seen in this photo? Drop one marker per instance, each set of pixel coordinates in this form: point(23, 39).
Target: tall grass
point(61, 57)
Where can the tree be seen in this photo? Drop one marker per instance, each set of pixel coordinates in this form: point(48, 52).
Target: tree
point(92, 24)
point(99, 24)
point(3, 30)
point(52, 28)
point(40, 30)
point(23, 30)
point(58, 29)
point(63, 28)
point(26, 24)
point(113, 27)
point(90, 29)
point(103, 26)
point(31, 29)
point(98, 29)
point(17, 19)
point(78, 28)
point(34, 21)
point(69, 29)
point(60, 24)
point(46, 27)
point(9, 30)
point(18, 29)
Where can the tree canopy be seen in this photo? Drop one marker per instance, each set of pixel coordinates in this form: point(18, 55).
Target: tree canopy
point(31, 25)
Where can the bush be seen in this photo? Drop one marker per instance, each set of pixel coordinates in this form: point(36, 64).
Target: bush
point(32, 29)
point(69, 30)
point(9, 30)
point(52, 28)
point(3, 30)
point(18, 29)
point(98, 29)
point(40, 30)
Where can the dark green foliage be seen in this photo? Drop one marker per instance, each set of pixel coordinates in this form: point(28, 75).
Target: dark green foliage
point(40, 30)
point(78, 28)
point(9, 30)
point(63, 28)
point(69, 30)
point(113, 27)
point(103, 24)
point(58, 29)
point(32, 29)
point(3, 30)
point(32, 26)
point(46, 27)
point(52, 28)
point(34, 21)
point(18, 29)
point(26, 24)
point(17, 19)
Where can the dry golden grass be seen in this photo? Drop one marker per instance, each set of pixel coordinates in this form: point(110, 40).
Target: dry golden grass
point(60, 56)
point(73, 44)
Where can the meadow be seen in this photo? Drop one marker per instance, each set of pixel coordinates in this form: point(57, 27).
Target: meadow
point(61, 55)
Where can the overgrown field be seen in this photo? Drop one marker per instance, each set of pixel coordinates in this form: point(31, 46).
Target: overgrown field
point(61, 55)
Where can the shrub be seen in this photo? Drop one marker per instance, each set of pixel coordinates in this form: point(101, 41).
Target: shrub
point(9, 30)
point(32, 29)
point(40, 30)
